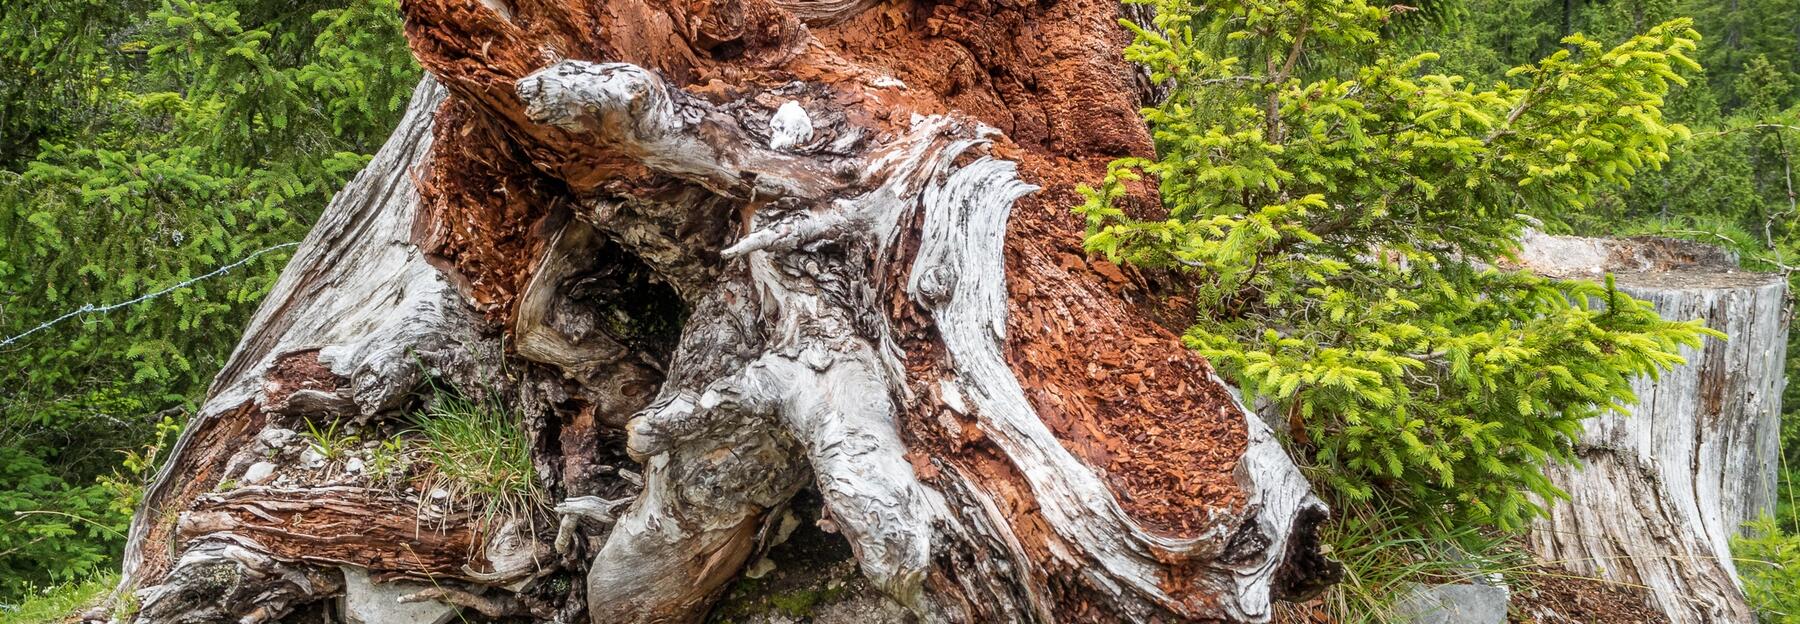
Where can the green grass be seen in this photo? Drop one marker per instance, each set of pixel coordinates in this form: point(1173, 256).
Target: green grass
point(58, 604)
point(1385, 553)
point(330, 443)
point(478, 452)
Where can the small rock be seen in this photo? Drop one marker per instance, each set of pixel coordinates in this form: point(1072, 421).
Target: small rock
point(790, 126)
point(440, 493)
point(354, 465)
point(366, 602)
point(258, 472)
point(1454, 604)
point(760, 569)
point(274, 438)
point(312, 459)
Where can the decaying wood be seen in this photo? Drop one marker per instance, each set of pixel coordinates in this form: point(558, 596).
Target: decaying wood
point(331, 526)
point(342, 333)
point(1662, 490)
point(857, 215)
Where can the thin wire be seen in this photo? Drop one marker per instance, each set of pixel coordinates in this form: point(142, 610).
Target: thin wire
point(88, 308)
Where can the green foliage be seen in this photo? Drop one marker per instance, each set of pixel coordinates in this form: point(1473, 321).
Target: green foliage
point(329, 443)
point(388, 459)
point(51, 531)
point(143, 144)
point(1337, 223)
point(1768, 562)
point(1493, 35)
point(55, 532)
point(58, 603)
point(1388, 552)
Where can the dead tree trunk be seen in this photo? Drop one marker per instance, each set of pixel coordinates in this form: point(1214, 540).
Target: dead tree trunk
point(743, 247)
point(1662, 490)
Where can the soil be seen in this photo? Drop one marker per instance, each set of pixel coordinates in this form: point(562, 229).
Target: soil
point(1546, 596)
point(1557, 597)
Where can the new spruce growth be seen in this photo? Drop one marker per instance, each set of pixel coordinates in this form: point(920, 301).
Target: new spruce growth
point(1338, 211)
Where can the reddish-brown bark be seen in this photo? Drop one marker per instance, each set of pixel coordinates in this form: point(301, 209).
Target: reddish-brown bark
point(1120, 390)
point(1147, 517)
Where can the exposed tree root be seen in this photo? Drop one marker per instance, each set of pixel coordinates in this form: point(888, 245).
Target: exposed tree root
point(880, 294)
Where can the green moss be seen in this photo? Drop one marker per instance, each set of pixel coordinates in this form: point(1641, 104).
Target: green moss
point(750, 597)
point(802, 602)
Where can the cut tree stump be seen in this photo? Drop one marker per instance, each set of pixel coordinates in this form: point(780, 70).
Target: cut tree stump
point(717, 252)
point(1662, 489)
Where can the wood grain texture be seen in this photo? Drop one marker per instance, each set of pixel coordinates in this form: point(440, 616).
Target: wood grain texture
point(1663, 488)
point(857, 215)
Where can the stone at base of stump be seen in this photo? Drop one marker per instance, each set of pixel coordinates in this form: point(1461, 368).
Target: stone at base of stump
point(366, 602)
point(1455, 604)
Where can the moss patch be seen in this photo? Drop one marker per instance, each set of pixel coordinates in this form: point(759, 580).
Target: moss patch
point(812, 569)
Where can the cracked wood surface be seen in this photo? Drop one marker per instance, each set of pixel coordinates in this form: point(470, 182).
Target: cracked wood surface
point(859, 214)
point(1663, 489)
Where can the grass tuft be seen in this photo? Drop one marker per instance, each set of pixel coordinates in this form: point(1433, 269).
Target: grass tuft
point(1386, 553)
point(478, 452)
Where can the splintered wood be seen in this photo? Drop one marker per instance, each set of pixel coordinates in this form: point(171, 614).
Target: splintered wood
point(862, 213)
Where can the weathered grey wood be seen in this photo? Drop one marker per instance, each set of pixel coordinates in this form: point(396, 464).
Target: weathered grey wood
point(348, 331)
point(1662, 490)
point(858, 299)
point(826, 369)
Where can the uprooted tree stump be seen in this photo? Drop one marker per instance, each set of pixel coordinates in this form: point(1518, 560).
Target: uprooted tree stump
point(744, 248)
point(1662, 489)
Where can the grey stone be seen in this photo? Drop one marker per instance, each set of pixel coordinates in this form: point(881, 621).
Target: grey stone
point(258, 473)
point(366, 602)
point(1454, 604)
point(276, 438)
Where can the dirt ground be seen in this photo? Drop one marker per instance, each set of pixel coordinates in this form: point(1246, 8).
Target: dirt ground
point(1559, 598)
point(1541, 596)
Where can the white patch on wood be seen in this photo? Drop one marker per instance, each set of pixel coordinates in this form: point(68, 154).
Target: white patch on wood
point(634, 111)
point(789, 127)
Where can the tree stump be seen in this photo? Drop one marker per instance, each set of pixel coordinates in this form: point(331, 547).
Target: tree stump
point(745, 248)
point(1663, 488)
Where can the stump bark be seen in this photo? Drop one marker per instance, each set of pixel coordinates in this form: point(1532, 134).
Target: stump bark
point(1662, 489)
point(713, 253)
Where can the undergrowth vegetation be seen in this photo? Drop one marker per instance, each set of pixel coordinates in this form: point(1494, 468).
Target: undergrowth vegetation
point(1387, 552)
point(478, 454)
point(1336, 196)
point(55, 604)
point(1768, 561)
point(144, 143)
point(454, 453)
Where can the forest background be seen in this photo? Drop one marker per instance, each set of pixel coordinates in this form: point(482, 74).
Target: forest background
point(148, 143)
